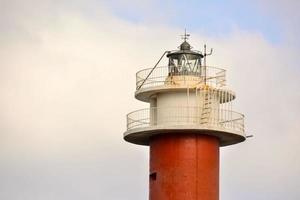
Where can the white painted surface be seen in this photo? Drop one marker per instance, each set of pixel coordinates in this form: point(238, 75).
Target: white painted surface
point(193, 108)
point(185, 102)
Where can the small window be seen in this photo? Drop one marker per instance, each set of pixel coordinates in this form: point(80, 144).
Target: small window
point(153, 176)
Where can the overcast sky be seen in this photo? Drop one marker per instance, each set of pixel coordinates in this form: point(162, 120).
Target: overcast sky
point(67, 79)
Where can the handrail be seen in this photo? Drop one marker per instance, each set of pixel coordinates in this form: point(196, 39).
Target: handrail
point(210, 67)
point(160, 76)
point(220, 119)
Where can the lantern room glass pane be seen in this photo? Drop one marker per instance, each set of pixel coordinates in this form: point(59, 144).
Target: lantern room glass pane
point(185, 64)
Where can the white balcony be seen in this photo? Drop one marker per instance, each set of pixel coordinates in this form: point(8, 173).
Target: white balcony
point(149, 81)
point(227, 125)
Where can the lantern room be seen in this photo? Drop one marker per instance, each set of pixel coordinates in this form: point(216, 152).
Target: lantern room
point(185, 61)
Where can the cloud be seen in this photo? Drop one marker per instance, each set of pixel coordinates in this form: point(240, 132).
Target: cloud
point(67, 81)
point(284, 13)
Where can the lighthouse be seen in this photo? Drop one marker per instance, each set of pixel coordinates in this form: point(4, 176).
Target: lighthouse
point(190, 116)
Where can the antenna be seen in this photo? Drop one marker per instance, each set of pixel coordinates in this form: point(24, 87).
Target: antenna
point(204, 61)
point(186, 36)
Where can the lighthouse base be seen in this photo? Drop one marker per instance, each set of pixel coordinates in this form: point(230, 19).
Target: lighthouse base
point(184, 167)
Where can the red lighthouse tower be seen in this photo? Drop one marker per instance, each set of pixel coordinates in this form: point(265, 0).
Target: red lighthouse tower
point(190, 117)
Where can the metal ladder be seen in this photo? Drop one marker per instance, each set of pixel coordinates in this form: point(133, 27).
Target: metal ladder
point(207, 107)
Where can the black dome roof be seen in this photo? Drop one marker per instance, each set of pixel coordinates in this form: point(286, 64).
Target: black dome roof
point(185, 46)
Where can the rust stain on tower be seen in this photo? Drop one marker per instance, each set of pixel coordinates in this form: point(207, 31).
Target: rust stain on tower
point(190, 117)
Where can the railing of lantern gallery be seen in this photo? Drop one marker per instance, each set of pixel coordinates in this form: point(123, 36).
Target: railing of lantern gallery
point(163, 76)
point(220, 119)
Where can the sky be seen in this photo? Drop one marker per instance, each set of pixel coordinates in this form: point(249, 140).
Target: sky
point(67, 81)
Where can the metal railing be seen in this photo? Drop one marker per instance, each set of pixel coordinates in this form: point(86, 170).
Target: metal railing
point(219, 119)
point(161, 76)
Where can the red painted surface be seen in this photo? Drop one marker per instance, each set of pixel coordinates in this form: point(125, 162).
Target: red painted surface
point(184, 167)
